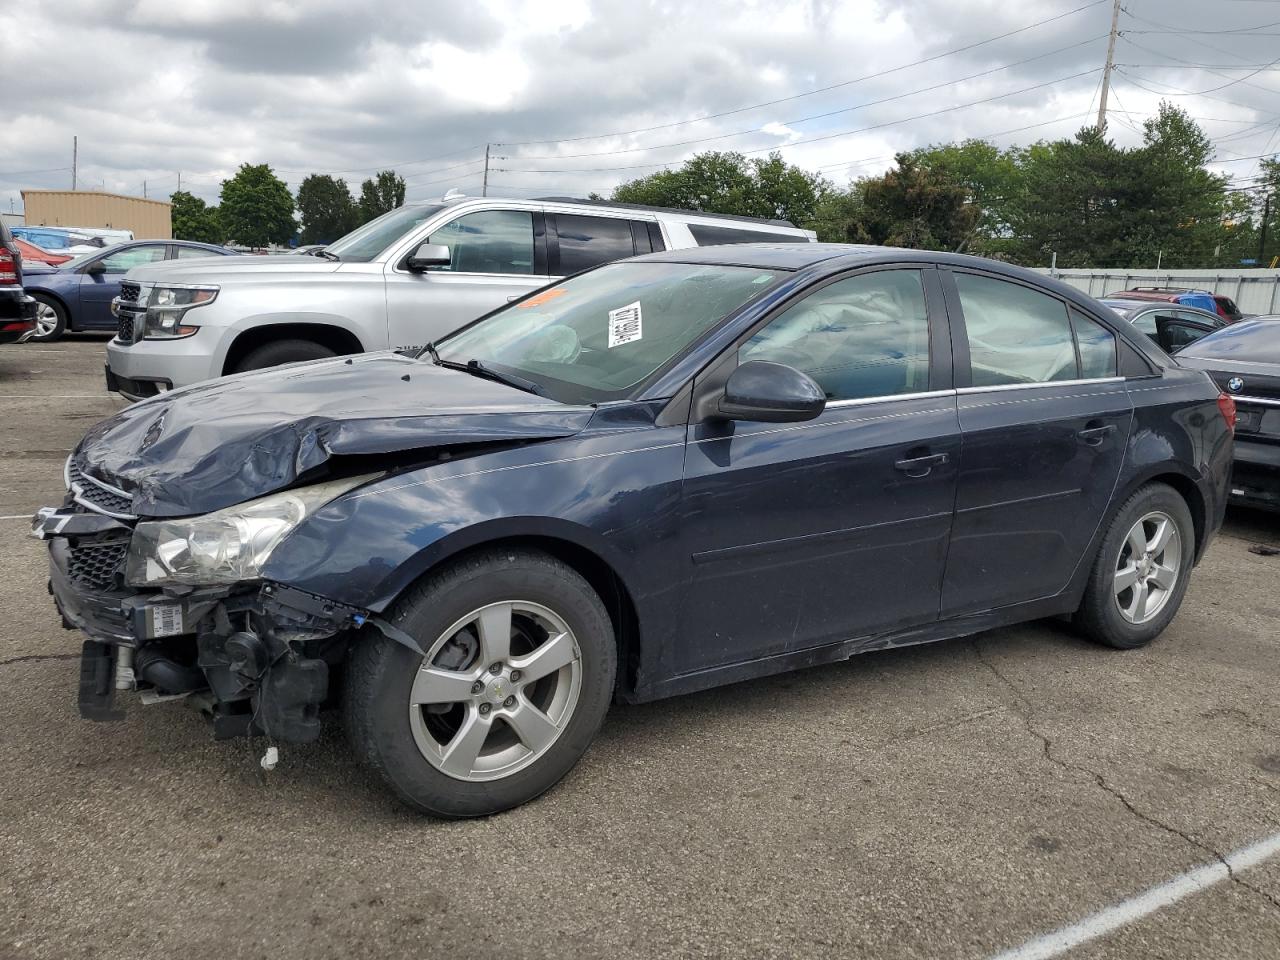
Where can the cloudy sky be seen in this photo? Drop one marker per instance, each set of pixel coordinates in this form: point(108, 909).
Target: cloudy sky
point(580, 95)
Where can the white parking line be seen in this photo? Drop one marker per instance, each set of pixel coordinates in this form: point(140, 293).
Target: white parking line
point(19, 516)
point(1135, 908)
point(56, 396)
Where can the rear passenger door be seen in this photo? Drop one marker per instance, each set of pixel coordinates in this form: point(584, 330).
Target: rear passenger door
point(1044, 420)
point(577, 242)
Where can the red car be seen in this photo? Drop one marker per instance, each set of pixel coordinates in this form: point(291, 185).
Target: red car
point(1223, 305)
point(33, 254)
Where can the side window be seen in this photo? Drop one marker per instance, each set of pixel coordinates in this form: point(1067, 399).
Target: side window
point(864, 336)
point(488, 241)
point(1146, 322)
point(590, 241)
point(186, 253)
point(123, 261)
point(1016, 334)
point(1097, 346)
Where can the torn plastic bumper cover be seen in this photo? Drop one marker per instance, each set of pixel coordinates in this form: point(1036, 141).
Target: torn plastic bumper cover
point(255, 657)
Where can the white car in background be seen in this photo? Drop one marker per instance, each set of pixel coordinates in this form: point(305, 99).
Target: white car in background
point(400, 282)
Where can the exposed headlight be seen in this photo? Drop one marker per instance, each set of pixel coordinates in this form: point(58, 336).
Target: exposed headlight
point(226, 546)
point(167, 306)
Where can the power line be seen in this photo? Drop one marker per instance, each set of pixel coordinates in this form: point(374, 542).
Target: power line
point(808, 93)
point(819, 116)
point(23, 173)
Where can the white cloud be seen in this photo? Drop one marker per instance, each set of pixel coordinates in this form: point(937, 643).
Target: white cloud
point(154, 87)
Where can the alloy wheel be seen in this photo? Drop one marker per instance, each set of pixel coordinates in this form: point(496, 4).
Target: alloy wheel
point(1148, 567)
point(495, 690)
point(46, 319)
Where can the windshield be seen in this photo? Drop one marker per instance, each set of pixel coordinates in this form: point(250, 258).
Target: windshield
point(364, 243)
point(597, 335)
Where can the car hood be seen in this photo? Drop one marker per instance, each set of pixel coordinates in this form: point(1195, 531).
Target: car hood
point(226, 441)
point(218, 269)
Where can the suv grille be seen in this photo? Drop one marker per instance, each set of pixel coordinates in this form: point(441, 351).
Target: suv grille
point(96, 495)
point(129, 291)
point(125, 330)
point(96, 564)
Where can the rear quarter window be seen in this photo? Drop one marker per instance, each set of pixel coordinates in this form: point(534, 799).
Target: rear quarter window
point(710, 236)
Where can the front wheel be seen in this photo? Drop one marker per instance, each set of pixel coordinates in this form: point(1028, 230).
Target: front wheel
point(283, 351)
point(51, 319)
point(513, 686)
point(1141, 572)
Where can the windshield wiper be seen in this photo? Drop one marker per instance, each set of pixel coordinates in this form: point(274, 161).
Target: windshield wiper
point(478, 368)
point(327, 255)
point(431, 349)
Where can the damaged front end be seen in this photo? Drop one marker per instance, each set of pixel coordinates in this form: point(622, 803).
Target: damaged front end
point(174, 609)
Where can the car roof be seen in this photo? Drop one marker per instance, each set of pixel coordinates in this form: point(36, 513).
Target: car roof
point(1252, 341)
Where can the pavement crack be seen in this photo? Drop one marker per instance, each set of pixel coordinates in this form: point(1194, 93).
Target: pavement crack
point(37, 658)
point(1026, 712)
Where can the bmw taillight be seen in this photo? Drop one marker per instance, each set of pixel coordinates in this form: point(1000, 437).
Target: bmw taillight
point(1227, 406)
point(8, 267)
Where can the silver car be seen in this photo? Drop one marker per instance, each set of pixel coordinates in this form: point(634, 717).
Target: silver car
point(398, 282)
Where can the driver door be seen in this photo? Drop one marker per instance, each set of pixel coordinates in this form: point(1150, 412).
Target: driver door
point(98, 287)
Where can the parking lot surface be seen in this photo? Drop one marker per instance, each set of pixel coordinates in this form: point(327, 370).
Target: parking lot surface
point(953, 800)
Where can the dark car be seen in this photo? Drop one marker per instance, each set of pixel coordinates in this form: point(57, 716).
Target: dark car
point(1184, 323)
point(1217, 303)
point(17, 309)
point(657, 476)
point(1244, 360)
point(77, 295)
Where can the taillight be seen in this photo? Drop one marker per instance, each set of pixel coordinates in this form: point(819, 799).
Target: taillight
point(1227, 407)
point(8, 267)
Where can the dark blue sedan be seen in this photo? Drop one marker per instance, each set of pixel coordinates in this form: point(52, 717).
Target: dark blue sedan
point(77, 295)
point(682, 470)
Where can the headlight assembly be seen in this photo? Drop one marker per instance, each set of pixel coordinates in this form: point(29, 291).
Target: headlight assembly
point(167, 306)
point(226, 546)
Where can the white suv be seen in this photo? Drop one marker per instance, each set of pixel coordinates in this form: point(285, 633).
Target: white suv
point(399, 282)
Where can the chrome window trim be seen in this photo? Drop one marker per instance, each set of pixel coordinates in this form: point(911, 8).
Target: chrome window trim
point(886, 398)
point(1039, 385)
point(1261, 401)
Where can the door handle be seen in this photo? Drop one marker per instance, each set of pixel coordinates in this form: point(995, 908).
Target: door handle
point(1093, 436)
point(920, 466)
point(515, 298)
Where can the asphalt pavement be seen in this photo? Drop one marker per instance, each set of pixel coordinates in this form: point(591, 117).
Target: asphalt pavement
point(949, 801)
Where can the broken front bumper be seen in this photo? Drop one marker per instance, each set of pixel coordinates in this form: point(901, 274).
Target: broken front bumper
point(256, 657)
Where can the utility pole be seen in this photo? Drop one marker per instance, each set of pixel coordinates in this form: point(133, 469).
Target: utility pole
point(75, 155)
point(144, 189)
point(1106, 71)
point(1262, 235)
point(484, 189)
point(179, 181)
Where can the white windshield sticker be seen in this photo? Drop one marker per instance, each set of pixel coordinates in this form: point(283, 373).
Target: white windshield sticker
point(624, 324)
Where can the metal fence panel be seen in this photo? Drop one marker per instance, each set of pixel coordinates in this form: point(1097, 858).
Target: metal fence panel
point(1254, 291)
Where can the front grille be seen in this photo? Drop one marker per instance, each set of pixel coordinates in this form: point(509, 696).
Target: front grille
point(130, 291)
point(99, 564)
point(125, 331)
point(95, 494)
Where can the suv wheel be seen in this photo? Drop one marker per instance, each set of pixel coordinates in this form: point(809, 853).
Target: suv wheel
point(1141, 571)
point(283, 351)
point(514, 685)
point(51, 319)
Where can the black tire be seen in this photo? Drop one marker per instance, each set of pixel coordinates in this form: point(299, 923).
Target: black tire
point(1099, 617)
point(380, 674)
point(283, 351)
point(60, 326)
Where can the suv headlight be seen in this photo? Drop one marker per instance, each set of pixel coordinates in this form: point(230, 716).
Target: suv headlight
point(167, 306)
point(226, 546)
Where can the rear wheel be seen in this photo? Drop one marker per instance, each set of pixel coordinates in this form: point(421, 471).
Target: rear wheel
point(515, 682)
point(1140, 574)
point(51, 319)
point(283, 351)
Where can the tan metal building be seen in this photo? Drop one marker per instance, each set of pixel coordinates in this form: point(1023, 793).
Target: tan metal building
point(148, 219)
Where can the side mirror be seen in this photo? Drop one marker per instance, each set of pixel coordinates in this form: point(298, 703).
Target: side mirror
point(428, 255)
point(96, 269)
point(769, 392)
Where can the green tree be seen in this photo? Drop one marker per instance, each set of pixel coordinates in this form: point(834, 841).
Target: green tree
point(991, 181)
point(193, 219)
point(721, 182)
point(257, 207)
point(912, 206)
point(326, 208)
point(381, 194)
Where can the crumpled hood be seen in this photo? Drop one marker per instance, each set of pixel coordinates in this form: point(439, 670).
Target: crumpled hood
point(227, 441)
